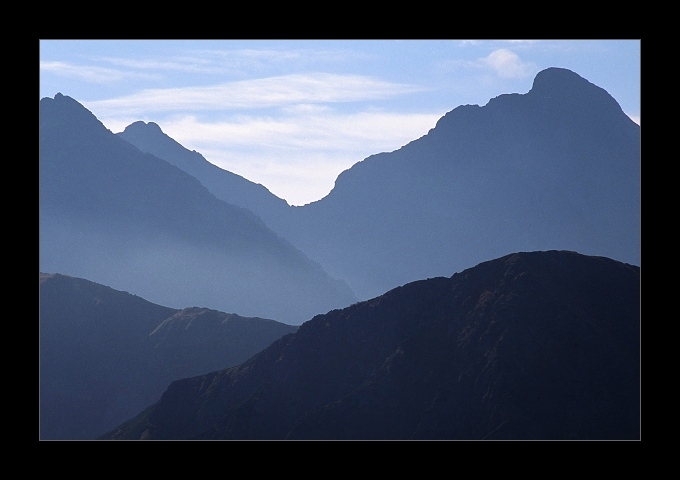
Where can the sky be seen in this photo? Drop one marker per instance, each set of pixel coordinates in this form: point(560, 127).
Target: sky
point(293, 114)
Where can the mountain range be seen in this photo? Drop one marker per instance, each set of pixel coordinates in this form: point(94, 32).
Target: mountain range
point(555, 168)
point(539, 343)
point(129, 220)
point(225, 185)
point(107, 354)
point(529, 346)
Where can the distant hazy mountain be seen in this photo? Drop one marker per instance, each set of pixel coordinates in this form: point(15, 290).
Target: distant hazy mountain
point(106, 354)
point(540, 345)
point(555, 168)
point(115, 215)
point(225, 185)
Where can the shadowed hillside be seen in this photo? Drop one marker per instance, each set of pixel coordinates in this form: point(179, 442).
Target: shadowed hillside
point(106, 354)
point(540, 345)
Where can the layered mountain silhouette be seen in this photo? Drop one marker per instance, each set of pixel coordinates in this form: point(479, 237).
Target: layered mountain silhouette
point(127, 219)
point(555, 168)
point(107, 354)
point(527, 346)
point(225, 185)
point(532, 345)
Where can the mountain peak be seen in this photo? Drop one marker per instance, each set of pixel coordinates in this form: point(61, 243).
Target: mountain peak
point(60, 99)
point(516, 348)
point(557, 78)
point(71, 114)
point(140, 126)
point(561, 83)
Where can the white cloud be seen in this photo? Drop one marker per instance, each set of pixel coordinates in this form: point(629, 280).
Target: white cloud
point(235, 61)
point(179, 64)
point(259, 93)
point(507, 64)
point(258, 58)
point(306, 109)
point(502, 62)
point(299, 179)
point(90, 73)
point(365, 131)
point(297, 157)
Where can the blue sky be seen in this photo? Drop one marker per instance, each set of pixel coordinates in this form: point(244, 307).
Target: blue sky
point(293, 114)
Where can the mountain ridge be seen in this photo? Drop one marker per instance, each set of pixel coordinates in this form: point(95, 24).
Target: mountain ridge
point(225, 185)
point(121, 217)
point(105, 354)
point(524, 172)
point(557, 167)
point(533, 345)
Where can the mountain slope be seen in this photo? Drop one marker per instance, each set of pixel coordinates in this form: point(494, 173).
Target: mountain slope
point(225, 185)
point(539, 345)
point(555, 168)
point(107, 354)
point(114, 215)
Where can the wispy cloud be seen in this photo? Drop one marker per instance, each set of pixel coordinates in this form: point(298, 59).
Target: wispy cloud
point(259, 93)
point(92, 74)
point(177, 64)
point(365, 131)
point(469, 42)
point(477, 43)
point(300, 154)
point(211, 62)
point(507, 64)
point(233, 61)
point(502, 63)
point(264, 57)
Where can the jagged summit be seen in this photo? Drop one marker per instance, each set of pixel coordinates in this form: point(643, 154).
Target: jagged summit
point(144, 135)
point(69, 113)
point(139, 125)
point(225, 185)
point(63, 100)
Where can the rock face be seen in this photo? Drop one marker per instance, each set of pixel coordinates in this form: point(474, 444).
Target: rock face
point(117, 216)
point(107, 354)
point(532, 345)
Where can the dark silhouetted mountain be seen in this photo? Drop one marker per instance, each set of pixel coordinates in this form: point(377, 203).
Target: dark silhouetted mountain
point(540, 345)
point(225, 185)
point(117, 216)
point(106, 354)
point(555, 168)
